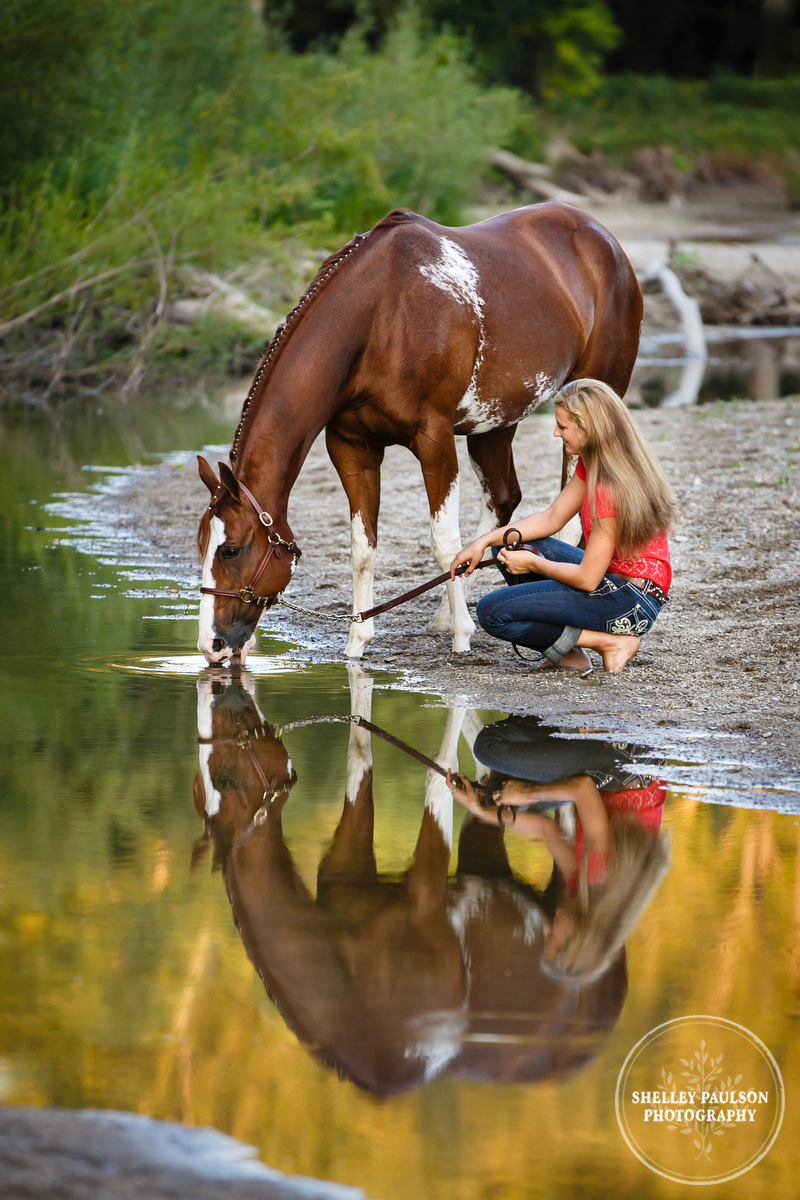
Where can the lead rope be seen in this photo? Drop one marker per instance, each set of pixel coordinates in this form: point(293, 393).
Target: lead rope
point(358, 618)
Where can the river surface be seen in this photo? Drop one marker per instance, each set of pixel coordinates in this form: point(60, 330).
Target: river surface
point(223, 902)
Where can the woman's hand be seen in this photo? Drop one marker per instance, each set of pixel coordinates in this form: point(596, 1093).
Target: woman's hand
point(522, 562)
point(471, 554)
point(466, 795)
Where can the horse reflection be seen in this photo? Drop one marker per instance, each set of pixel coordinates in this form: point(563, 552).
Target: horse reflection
point(397, 980)
point(243, 767)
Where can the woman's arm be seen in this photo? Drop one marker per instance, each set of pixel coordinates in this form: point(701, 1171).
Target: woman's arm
point(540, 525)
point(585, 575)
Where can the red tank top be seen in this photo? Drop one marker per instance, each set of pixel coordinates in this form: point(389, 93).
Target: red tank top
point(653, 561)
point(646, 803)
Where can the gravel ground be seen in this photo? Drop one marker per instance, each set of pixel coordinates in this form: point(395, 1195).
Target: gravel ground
point(717, 681)
point(50, 1153)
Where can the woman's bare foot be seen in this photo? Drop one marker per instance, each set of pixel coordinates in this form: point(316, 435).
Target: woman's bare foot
point(620, 654)
point(616, 649)
point(577, 660)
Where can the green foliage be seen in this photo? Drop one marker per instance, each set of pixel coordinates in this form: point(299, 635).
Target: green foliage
point(216, 162)
point(748, 119)
point(542, 46)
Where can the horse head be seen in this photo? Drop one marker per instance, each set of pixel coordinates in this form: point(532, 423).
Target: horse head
point(247, 562)
point(243, 767)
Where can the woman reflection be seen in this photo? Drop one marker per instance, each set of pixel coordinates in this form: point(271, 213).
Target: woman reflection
point(609, 866)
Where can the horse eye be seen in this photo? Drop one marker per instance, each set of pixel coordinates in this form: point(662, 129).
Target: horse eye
point(230, 551)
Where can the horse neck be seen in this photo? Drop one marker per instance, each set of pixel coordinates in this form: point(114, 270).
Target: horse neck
point(298, 399)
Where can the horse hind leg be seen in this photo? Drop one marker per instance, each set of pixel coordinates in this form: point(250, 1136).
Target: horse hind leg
point(492, 461)
point(436, 452)
point(358, 465)
point(350, 858)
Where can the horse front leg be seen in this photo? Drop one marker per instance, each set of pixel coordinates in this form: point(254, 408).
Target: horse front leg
point(436, 452)
point(492, 461)
point(358, 465)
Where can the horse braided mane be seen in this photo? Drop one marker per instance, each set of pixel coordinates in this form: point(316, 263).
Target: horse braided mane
point(284, 331)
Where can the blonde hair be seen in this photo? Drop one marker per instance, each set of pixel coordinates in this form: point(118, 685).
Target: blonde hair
point(605, 915)
point(616, 455)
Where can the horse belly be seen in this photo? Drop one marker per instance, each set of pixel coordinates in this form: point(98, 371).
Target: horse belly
point(483, 408)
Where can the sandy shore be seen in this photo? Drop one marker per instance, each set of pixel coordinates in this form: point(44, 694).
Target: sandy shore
point(47, 1153)
point(717, 682)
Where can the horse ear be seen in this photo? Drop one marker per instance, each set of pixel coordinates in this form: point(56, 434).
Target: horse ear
point(229, 481)
point(207, 475)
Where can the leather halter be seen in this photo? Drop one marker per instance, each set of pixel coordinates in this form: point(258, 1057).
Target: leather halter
point(244, 741)
point(247, 594)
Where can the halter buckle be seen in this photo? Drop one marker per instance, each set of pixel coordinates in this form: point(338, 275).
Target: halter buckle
point(243, 739)
point(247, 594)
point(265, 519)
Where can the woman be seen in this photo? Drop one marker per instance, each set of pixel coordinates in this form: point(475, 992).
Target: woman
point(609, 851)
point(566, 601)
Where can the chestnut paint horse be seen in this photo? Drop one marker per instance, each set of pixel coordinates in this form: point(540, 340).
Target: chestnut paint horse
point(409, 335)
point(391, 979)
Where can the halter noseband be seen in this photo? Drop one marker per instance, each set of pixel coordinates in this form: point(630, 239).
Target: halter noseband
point(247, 594)
point(244, 741)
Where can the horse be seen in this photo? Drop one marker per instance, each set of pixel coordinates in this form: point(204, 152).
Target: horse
point(394, 980)
point(410, 335)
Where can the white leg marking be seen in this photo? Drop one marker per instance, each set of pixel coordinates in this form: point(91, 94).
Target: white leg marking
point(363, 578)
point(205, 729)
point(206, 635)
point(441, 623)
point(446, 542)
point(359, 750)
point(469, 730)
point(438, 797)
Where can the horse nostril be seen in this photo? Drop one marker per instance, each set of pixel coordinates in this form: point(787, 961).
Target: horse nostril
point(217, 645)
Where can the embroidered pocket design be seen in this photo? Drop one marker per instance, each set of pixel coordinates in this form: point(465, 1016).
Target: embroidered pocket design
point(634, 622)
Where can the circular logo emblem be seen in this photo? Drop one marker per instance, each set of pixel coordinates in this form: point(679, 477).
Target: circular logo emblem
point(700, 1100)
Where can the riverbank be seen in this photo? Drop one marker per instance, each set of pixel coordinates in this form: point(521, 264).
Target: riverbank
point(84, 1155)
point(716, 682)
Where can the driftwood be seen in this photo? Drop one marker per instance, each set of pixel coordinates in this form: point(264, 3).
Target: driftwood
point(68, 293)
point(533, 177)
point(694, 338)
point(211, 293)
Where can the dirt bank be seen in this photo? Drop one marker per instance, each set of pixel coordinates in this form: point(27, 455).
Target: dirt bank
point(47, 1153)
point(718, 679)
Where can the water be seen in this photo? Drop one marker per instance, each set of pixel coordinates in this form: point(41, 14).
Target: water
point(428, 1040)
point(742, 364)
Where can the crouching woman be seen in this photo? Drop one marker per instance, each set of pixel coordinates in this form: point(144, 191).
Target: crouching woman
point(564, 601)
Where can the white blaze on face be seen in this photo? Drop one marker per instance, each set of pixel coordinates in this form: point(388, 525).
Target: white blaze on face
point(205, 729)
point(216, 537)
point(455, 273)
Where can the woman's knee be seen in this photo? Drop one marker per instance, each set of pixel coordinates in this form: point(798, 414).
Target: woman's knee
point(488, 611)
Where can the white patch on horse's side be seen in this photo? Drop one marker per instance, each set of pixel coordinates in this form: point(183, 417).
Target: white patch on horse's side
point(446, 542)
point(439, 1041)
point(543, 386)
point(359, 750)
point(205, 729)
point(363, 554)
point(456, 274)
point(469, 903)
point(215, 539)
point(532, 917)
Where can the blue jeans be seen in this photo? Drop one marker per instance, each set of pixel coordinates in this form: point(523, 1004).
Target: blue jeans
point(550, 617)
